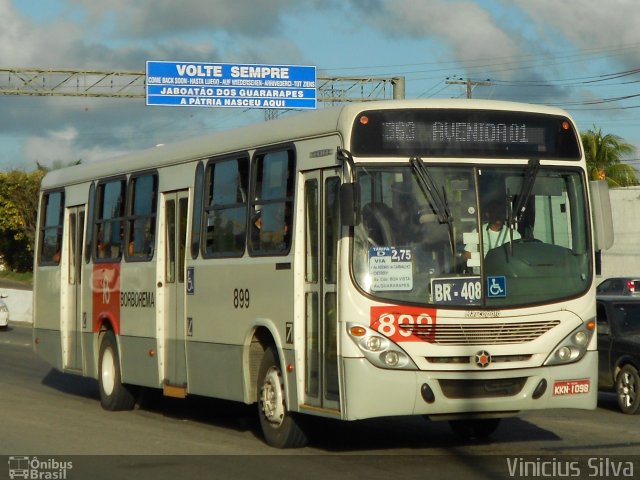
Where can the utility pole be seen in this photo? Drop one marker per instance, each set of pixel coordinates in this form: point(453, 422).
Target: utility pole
point(469, 83)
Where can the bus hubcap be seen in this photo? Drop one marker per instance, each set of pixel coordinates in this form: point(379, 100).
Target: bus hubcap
point(272, 397)
point(107, 374)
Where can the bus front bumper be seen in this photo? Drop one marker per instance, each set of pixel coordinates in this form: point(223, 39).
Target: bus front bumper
point(373, 392)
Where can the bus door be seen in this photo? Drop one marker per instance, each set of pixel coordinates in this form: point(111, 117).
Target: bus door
point(321, 239)
point(176, 205)
point(73, 264)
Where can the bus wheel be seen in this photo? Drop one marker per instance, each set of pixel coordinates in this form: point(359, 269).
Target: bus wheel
point(628, 389)
point(474, 429)
point(114, 395)
point(280, 427)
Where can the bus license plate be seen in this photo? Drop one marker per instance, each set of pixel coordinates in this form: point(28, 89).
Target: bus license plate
point(456, 291)
point(571, 387)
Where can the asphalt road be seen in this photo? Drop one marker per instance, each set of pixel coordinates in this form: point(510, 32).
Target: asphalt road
point(6, 283)
point(57, 418)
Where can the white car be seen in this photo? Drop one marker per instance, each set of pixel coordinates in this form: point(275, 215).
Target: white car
point(4, 313)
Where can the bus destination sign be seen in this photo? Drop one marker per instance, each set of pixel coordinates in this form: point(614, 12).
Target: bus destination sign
point(230, 85)
point(464, 133)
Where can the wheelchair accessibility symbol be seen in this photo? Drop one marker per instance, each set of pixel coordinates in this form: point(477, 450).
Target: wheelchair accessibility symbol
point(496, 287)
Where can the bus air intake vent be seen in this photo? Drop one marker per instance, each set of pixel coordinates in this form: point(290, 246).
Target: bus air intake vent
point(466, 389)
point(481, 334)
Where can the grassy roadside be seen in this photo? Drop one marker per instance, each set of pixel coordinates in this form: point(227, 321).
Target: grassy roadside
point(25, 279)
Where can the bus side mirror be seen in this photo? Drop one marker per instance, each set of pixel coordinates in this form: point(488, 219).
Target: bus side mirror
point(349, 202)
point(601, 214)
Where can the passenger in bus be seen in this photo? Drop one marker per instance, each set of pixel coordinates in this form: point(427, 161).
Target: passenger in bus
point(273, 237)
point(102, 249)
point(141, 244)
point(256, 226)
point(495, 233)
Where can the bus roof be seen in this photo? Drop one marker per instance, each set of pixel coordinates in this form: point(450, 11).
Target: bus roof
point(298, 126)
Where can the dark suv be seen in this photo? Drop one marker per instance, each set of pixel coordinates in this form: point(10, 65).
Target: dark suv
point(619, 286)
point(619, 349)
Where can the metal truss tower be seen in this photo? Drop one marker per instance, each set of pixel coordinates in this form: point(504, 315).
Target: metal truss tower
point(95, 83)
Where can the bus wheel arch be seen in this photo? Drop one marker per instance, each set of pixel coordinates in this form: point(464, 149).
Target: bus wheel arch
point(281, 427)
point(114, 395)
point(261, 339)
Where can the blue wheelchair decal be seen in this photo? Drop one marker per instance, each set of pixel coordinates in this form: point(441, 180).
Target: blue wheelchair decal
point(496, 287)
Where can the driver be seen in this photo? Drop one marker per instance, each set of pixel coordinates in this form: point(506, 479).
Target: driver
point(495, 233)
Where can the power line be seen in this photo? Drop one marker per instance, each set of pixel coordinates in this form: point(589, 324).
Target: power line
point(501, 61)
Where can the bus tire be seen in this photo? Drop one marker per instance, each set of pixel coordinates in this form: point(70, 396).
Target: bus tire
point(281, 428)
point(475, 428)
point(114, 395)
point(628, 389)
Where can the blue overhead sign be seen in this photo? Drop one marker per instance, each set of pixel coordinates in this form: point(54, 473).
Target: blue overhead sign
point(231, 85)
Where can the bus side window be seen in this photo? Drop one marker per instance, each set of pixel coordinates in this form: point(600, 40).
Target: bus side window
point(272, 214)
point(226, 207)
point(196, 224)
point(51, 228)
point(109, 225)
point(142, 216)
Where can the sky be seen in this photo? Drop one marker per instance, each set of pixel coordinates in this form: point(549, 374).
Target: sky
point(580, 55)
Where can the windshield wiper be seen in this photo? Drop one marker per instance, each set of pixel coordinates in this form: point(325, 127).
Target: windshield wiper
point(437, 199)
point(430, 189)
point(516, 214)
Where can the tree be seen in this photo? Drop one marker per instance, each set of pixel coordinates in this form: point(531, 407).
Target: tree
point(18, 217)
point(604, 158)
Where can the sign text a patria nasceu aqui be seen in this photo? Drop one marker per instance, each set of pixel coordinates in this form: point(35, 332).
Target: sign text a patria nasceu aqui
point(230, 85)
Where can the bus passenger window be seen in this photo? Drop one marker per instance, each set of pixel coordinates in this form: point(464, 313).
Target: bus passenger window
point(109, 225)
point(271, 222)
point(142, 217)
point(226, 207)
point(196, 224)
point(51, 228)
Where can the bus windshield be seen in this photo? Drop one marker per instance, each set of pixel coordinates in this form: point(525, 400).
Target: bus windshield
point(450, 235)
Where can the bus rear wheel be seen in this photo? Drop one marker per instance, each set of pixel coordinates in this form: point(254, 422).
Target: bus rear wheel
point(475, 428)
point(281, 428)
point(114, 395)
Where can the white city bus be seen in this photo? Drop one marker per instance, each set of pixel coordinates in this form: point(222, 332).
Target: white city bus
point(331, 263)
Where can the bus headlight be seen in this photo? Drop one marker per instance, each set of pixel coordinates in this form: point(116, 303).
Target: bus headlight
point(378, 349)
point(573, 347)
point(390, 358)
point(374, 343)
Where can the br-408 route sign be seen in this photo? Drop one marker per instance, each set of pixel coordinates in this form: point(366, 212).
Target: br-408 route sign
point(231, 85)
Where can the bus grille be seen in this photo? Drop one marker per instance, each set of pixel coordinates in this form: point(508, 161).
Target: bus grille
point(485, 334)
point(460, 389)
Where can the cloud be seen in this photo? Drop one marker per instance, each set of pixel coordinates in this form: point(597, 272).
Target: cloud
point(464, 28)
point(59, 148)
point(22, 43)
point(585, 22)
point(122, 35)
point(149, 18)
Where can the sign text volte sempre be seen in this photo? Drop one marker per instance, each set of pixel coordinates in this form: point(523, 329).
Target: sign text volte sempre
point(220, 85)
